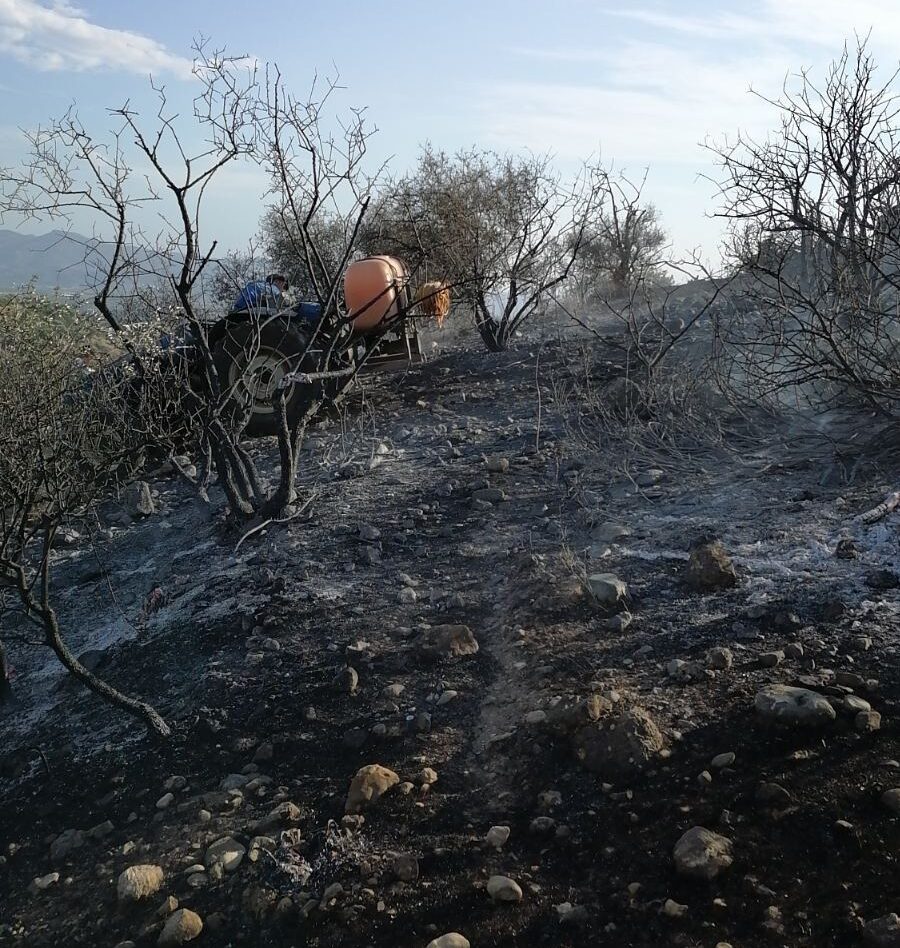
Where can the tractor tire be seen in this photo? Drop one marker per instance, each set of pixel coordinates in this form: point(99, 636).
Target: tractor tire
point(251, 360)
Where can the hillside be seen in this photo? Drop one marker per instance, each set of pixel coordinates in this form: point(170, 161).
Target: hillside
point(431, 617)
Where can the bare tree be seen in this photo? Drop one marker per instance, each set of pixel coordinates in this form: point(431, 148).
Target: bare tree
point(818, 201)
point(624, 243)
point(502, 229)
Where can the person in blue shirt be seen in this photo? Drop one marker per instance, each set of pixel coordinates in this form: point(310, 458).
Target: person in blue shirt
point(262, 295)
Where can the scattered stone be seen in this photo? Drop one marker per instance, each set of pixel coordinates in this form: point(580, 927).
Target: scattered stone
point(407, 595)
point(368, 533)
point(722, 760)
point(867, 721)
point(882, 579)
point(170, 904)
point(497, 836)
point(773, 794)
point(794, 650)
point(497, 465)
point(66, 843)
point(720, 658)
point(181, 926)
point(621, 745)
point(446, 641)
point(285, 814)
point(771, 659)
point(853, 704)
point(450, 940)
point(702, 854)
point(406, 868)
point(883, 932)
point(346, 680)
point(709, 567)
point(368, 786)
point(138, 500)
point(619, 623)
point(446, 697)
point(40, 883)
point(165, 801)
point(175, 783)
point(264, 753)
point(393, 691)
point(570, 914)
point(891, 799)
point(674, 909)
point(793, 707)
point(139, 882)
point(427, 776)
point(227, 852)
point(607, 589)
point(504, 889)
point(489, 495)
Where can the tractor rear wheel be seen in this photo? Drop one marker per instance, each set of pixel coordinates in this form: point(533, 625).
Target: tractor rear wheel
point(252, 360)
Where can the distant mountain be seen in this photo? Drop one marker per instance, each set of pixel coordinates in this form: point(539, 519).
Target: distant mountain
point(53, 261)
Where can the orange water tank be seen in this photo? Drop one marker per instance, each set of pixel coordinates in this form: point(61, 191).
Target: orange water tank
point(374, 290)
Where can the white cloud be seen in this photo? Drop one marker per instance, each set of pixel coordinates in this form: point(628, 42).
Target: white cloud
point(59, 36)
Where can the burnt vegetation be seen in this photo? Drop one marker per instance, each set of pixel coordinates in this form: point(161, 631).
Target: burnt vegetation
point(581, 621)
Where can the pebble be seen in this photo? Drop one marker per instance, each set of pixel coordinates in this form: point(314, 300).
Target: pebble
point(771, 659)
point(497, 836)
point(368, 785)
point(722, 760)
point(165, 801)
point(720, 658)
point(867, 721)
point(702, 854)
point(891, 799)
point(227, 852)
point(607, 589)
point(181, 926)
point(40, 883)
point(450, 940)
point(674, 909)
point(504, 889)
point(139, 882)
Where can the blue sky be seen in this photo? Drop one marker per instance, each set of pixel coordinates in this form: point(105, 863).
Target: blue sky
point(640, 83)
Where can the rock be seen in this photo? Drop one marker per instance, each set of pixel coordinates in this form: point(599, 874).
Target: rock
point(650, 477)
point(264, 753)
point(622, 395)
point(709, 567)
point(285, 814)
point(891, 799)
point(368, 533)
point(450, 940)
point(793, 707)
point(165, 801)
point(407, 595)
point(181, 926)
point(138, 500)
point(423, 722)
point(720, 658)
point(773, 794)
point(883, 932)
point(139, 882)
point(41, 883)
point(503, 889)
point(771, 659)
point(853, 704)
point(489, 495)
point(674, 909)
point(722, 760)
point(234, 782)
point(621, 745)
point(226, 852)
point(393, 691)
point(569, 914)
point(446, 697)
point(175, 783)
point(446, 641)
point(619, 623)
point(882, 579)
point(426, 776)
point(607, 589)
point(794, 650)
point(368, 786)
point(497, 836)
point(867, 721)
point(406, 868)
point(702, 854)
point(346, 680)
point(497, 465)
point(64, 844)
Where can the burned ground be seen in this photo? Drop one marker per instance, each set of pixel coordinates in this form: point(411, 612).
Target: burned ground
point(244, 652)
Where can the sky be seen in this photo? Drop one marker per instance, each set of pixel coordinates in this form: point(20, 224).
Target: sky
point(641, 84)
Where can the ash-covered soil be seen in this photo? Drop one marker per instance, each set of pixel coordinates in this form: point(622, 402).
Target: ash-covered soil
point(451, 496)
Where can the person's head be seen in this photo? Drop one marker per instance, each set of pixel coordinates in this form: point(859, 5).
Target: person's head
point(279, 280)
